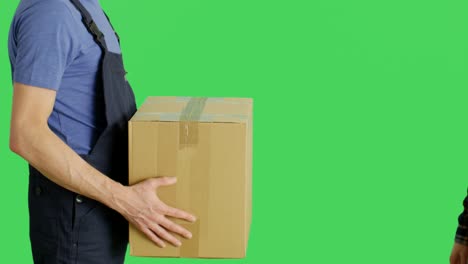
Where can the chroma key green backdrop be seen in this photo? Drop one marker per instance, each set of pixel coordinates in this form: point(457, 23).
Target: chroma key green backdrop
point(360, 111)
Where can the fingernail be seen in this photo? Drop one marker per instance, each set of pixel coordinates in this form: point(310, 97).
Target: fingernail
point(194, 219)
point(189, 235)
point(178, 243)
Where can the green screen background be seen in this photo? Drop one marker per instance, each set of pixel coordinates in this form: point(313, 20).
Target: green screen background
point(360, 140)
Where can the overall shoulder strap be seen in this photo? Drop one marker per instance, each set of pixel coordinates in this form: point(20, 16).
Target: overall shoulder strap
point(90, 24)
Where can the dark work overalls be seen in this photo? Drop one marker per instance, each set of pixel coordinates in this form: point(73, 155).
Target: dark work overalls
point(69, 228)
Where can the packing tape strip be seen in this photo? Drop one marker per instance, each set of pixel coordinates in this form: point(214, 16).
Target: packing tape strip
point(188, 141)
point(200, 188)
point(179, 99)
point(174, 116)
point(188, 123)
point(183, 199)
point(193, 109)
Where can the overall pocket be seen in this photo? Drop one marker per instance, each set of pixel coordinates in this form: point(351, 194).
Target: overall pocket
point(43, 215)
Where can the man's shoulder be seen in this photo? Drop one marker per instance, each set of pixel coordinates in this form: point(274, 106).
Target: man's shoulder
point(57, 10)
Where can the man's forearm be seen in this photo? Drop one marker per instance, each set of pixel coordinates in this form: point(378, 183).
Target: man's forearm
point(58, 162)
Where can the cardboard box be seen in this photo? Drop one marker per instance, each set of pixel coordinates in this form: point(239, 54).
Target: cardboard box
point(207, 144)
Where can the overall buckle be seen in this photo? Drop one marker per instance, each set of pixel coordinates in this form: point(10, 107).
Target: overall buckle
point(95, 30)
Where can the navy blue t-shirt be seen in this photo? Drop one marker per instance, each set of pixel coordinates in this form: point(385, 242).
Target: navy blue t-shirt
point(49, 47)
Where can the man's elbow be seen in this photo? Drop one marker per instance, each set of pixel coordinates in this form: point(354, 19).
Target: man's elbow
point(22, 136)
point(25, 136)
point(16, 141)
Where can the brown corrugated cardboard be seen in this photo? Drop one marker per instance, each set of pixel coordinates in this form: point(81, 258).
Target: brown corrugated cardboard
point(207, 144)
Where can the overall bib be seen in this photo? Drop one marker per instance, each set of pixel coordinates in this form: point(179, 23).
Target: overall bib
point(69, 228)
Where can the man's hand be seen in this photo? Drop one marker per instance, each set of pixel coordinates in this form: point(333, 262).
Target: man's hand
point(459, 254)
point(141, 207)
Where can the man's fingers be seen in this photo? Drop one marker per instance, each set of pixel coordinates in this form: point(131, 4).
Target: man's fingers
point(171, 226)
point(162, 233)
point(154, 238)
point(454, 259)
point(463, 259)
point(177, 213)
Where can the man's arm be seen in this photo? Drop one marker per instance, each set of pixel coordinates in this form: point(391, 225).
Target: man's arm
point(32, 139)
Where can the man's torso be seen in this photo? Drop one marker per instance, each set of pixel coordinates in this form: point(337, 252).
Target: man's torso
point(78, 116)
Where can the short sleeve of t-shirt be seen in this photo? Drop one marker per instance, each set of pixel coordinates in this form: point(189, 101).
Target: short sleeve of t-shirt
point(45, 44)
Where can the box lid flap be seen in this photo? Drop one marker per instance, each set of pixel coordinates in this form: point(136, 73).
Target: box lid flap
point(200, 109)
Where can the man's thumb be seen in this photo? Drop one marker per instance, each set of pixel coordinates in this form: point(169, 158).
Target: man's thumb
point(164, 181)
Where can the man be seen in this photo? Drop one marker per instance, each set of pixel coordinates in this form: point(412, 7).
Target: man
point(71, 104)
point(460, 249)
